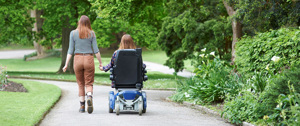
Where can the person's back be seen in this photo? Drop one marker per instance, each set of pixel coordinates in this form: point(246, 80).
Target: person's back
point(83, 45)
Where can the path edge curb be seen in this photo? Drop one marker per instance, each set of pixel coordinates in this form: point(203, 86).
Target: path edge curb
point(206, 110)
point(46, 112)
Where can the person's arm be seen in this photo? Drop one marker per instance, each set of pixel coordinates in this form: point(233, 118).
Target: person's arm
point(108, 66)
point(96, 49)
point(70, 51)
point(67, 62)
point(99, 59)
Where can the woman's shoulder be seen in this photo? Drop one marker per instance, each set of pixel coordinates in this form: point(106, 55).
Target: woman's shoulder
point(73, 31)
point(93, 33)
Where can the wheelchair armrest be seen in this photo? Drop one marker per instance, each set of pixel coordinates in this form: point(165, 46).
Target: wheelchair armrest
point(111, 76)
point(145, 77)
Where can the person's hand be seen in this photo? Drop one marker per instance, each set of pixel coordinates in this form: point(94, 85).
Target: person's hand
point(65, 68)
point(101, 67)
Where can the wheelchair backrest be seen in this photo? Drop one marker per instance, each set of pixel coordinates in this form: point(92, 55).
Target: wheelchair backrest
point(128, 68)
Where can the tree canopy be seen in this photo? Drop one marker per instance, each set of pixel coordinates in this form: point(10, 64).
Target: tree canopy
point(142, 19)
point(191, 26)
point(15, 21)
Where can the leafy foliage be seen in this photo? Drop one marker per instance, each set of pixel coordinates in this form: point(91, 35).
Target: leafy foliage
point(255, 53)
point(3, 77)
point(58, 14)
point(211, 83)
point(277, 103)
point(279, 85)
point(29, 55)
point(244, 107)
point(142, 19)
point(15, 21)
point(287, 112)
point(262, 15)
point(191, 26)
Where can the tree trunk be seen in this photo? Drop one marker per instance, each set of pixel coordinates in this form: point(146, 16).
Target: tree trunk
point(39, 48)
point(237, 33)
point(236, 30)
point(65, 46)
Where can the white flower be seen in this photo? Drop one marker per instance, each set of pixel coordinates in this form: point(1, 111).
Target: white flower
point(212, 53)
point(275, 58)
point(186, 94)
point(267, 67)
point(203, 50)
point(202, 55)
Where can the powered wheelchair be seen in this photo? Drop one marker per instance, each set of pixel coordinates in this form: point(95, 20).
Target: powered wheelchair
point(127, 76)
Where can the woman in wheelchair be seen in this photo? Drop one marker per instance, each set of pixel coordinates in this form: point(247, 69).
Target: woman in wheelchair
point(127, 75)
point(126, 43)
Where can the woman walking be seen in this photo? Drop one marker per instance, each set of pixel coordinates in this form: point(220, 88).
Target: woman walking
point(83, 44)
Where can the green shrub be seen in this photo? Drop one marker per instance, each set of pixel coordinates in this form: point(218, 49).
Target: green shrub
point(182, 89)
point(255, 53)
point(3, 77)
point(247, 105)
point(29, 55)
point(255, 102)
point(244, 107)
point(287, 111)
point(258, 81)
point(279, 85)
point(212, 82)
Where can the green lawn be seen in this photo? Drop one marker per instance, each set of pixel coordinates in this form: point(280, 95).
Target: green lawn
point(50, 64)
point(27, 109)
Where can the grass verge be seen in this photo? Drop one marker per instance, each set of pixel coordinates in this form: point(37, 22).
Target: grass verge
point(27, 109)
point(156, 80)
point(15, 47)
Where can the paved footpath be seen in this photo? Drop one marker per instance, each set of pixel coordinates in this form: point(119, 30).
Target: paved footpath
point(159, 112)
point(14, 54)
point(166, 70)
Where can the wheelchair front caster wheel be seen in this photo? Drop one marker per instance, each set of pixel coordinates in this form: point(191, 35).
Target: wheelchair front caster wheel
point(140, 109)
point(118, 109)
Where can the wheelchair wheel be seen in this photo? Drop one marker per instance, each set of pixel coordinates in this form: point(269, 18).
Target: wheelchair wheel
point(109, 109)
point(118, 109)
point(117, 104)
point(140, 108)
